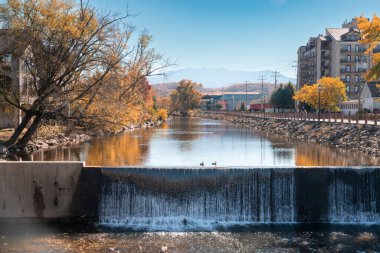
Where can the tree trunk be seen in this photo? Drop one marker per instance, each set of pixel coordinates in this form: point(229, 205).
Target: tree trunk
point(31, 131)
point(12, 140)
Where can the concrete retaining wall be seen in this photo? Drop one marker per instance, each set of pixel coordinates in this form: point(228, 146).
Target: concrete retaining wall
point(40, 190)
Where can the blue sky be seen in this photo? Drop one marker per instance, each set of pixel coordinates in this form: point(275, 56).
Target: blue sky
point(237, 34)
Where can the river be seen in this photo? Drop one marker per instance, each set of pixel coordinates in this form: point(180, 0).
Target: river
point(191, 141)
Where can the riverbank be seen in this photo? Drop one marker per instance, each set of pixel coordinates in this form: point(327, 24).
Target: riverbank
point(77, 137)
point(365, 138)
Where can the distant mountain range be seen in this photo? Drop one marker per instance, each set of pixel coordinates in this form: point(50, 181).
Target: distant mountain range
point(164, 89)
point(218, 77)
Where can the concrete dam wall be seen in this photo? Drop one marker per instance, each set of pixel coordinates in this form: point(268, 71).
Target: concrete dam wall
point(48, 190)
point(180, 198)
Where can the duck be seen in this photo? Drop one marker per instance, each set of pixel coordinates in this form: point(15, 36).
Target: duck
point(214, 163)
point(202, 164)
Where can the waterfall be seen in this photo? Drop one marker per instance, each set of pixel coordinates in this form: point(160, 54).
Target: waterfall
point(178, 199)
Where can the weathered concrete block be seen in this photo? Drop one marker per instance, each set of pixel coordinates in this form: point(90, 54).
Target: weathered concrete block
point(39, 189)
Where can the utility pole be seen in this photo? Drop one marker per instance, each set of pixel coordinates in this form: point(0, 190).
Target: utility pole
point(295, 66)
point(262, 79)
point(275, 75)
point(246, 95)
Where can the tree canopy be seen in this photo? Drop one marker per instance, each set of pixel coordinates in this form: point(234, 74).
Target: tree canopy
point(186, 97)
point(283, 97)
point(79, 63)
point(370, 35)
point(333, 91)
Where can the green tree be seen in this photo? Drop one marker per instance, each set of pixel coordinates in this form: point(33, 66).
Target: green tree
point(282, 98)
point(243, 107)
point(218, 107)
point(185, 97)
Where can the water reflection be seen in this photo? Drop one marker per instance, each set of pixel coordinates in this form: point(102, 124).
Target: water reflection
point(189, 141)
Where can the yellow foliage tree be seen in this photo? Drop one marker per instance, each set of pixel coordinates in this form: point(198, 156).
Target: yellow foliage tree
point(186, 97)
point(370, 35)
point(332, 92)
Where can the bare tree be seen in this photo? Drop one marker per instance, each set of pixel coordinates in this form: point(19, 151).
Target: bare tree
point(72, 54)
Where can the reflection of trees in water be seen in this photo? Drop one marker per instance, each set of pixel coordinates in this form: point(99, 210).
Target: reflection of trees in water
point(308, 154)
point(60, 153)
point(185, 129)
point(126, 149)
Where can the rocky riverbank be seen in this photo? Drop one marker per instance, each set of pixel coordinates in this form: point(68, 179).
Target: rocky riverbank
point(52, 141)
point(365, 138)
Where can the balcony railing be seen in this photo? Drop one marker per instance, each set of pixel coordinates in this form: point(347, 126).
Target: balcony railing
point(361, 50)
point(346, 60)
point(346, 70)
point(345, 50)
point(353, 70)
point(361, 60)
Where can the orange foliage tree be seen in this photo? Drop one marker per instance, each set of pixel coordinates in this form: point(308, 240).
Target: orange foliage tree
point(333, 91)
point(370, 35)
point(186, 97)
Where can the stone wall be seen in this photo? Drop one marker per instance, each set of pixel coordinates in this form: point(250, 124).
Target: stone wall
point(365, 138)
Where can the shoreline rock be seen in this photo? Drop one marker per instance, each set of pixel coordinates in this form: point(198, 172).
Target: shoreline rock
point(79, 138)
point(364, 138)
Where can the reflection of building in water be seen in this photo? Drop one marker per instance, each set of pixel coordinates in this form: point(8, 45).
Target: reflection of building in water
point(314, 154)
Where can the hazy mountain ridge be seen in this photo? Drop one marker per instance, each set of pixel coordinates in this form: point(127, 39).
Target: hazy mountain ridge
point(164, 89)
point(218, 77)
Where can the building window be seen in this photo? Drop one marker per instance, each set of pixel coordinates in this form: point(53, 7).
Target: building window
point(7, 58)
point(356, 88)
point(348, 88)
point(348, 58)
point(356, 78)
point(348, 48)
point(348, 79)
point(348, 68)
point(356, 48)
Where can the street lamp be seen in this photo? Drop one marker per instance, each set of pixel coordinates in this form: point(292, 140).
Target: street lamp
point(319, 102)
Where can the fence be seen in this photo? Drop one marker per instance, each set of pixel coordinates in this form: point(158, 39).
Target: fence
point(365, 118)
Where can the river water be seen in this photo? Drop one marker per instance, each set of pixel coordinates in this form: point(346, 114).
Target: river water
point(191, 141)
point(188, 142)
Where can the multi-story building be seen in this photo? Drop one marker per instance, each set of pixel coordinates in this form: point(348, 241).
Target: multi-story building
point(336, 54)
point(13, 81)
point(229, 101)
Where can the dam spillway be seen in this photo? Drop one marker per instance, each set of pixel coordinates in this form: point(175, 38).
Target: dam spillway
point(189, 198)
point(193, 198)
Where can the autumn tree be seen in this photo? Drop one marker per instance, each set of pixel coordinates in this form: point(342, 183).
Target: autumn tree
point(74, 57)
point(282, 98)
point(332, 92)
point(370, 35)
point(185, 97)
